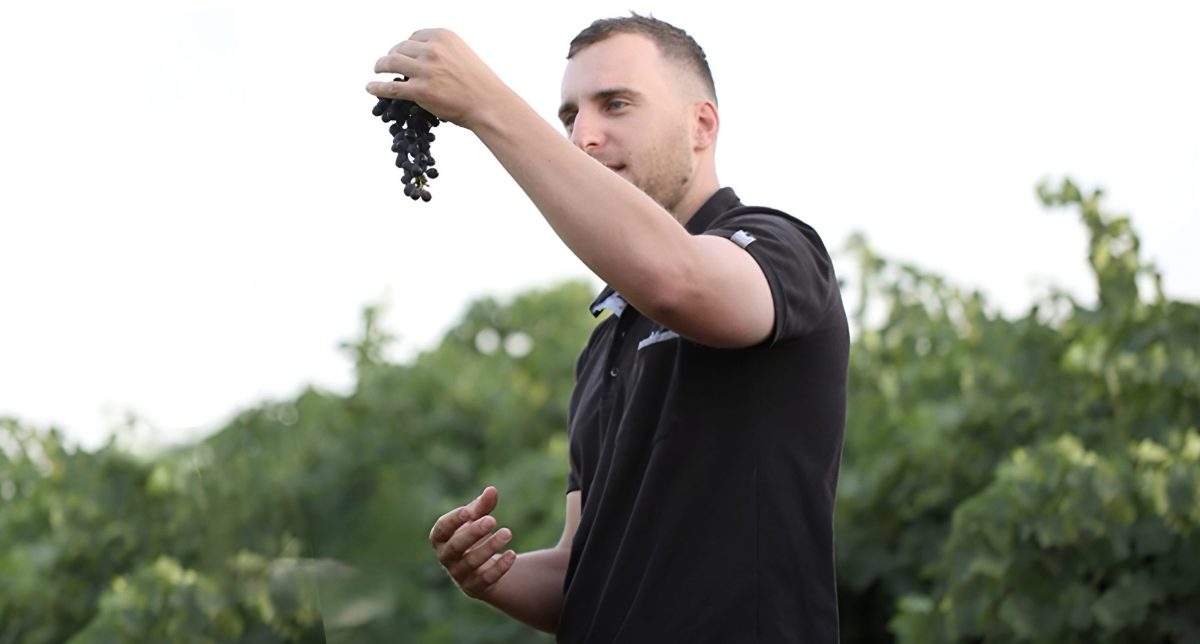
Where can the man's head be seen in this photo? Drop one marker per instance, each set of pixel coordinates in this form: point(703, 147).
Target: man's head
point(638, 96)
point(674, 44)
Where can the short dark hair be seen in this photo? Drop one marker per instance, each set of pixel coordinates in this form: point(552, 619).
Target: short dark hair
point(672, 42)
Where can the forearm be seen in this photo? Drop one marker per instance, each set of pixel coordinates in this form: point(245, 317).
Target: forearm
point(532, 590)
point(618, 231)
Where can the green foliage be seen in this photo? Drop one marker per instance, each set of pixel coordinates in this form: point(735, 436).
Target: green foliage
point(163, 602)
point(100, 547)
point(359, 479)
point(303, 520)
point(71, 522)
point(1027, 479)
point(486, 406)
point(1068, 545)
point(995, 479)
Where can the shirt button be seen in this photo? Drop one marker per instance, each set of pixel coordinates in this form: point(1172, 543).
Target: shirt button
point(613, 372)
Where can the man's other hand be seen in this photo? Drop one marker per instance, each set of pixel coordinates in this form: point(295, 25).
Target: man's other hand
point(467, 548)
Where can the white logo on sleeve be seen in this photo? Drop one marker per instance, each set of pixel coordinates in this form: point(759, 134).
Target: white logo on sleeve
point(742, 238)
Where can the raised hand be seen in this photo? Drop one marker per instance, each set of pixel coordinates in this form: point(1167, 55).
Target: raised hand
point(467, 548)
point(444, 76)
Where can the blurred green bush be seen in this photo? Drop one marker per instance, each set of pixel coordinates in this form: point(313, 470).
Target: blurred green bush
point(1034, 479)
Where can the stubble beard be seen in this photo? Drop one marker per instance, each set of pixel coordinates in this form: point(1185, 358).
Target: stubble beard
point(670, 172)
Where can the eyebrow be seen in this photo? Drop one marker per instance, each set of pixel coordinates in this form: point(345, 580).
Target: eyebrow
point(598, 97)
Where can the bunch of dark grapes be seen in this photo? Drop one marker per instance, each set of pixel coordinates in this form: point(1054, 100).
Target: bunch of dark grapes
point(411, 137)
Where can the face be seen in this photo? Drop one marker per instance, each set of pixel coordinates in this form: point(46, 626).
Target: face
point(625, 106)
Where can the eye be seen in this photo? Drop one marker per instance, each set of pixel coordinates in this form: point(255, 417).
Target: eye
point(617, 104)
point(568, 121)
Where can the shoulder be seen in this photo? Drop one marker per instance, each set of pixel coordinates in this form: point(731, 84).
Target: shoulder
point(780, 233)
point(799, 270)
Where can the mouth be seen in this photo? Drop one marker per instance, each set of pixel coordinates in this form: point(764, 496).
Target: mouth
point(618, 168)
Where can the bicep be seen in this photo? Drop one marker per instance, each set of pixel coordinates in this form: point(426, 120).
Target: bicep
point(726, 300)
point(571, 523)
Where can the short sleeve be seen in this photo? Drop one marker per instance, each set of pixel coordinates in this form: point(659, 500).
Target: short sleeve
point(798, 269)
point(573, 479)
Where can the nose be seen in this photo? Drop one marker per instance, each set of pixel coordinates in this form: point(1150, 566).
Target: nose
point(585, 132)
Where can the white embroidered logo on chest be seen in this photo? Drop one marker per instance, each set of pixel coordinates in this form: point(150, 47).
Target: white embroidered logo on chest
point(661, 335)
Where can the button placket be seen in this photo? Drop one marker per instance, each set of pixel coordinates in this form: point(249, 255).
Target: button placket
point(626, 320)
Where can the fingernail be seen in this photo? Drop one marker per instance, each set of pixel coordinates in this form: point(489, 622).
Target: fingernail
point(487, 523)
point(505, 534)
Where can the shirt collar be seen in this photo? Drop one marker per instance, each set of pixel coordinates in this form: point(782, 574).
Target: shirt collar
point(721, 201)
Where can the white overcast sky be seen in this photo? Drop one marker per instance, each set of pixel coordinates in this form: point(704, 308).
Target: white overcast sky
point(195, 203)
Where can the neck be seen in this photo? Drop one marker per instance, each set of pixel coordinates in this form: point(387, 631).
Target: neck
point(704, 186)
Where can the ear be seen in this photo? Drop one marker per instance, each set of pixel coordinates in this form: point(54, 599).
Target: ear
point(705, 124)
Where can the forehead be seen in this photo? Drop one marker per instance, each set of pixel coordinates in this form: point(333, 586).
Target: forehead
point(621, 60)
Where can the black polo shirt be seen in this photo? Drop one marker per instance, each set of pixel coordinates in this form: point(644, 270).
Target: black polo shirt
point(707, 476)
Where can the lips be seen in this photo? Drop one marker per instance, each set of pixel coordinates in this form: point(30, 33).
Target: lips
point(611, 165)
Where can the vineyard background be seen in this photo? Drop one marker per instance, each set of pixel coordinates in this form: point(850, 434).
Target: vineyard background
point(1031, 478)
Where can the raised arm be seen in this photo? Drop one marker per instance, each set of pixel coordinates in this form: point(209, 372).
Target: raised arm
point(704, 288)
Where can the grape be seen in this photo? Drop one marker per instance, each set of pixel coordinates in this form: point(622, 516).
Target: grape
point(410, 129)
point(381, 106)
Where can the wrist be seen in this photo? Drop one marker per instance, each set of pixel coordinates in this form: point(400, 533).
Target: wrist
point(495, 114)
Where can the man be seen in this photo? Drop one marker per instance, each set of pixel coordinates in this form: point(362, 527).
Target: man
point(706, 422)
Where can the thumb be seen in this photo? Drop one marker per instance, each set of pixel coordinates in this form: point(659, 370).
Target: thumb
point(485, 503)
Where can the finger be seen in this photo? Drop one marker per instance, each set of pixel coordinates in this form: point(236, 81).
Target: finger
point(489, 573)
point(396, 64)
point(410, 48)
point(425, 35)
point(485, 503)
point(482, 552)
point(453, 550)
point(499, 565)
point(391, 89)
point(447, 525)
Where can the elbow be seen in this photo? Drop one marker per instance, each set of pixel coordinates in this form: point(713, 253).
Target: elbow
point(671, 297)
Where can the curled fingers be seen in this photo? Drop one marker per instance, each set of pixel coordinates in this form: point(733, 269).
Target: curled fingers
point(480, 554)
point(488, 574)
point(468, 535)
point(447, 525)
